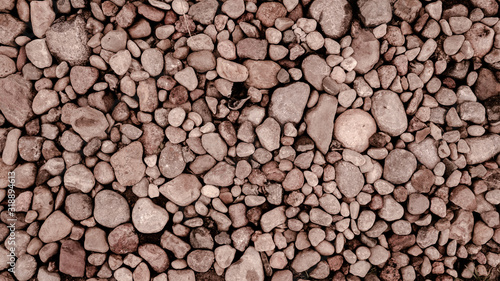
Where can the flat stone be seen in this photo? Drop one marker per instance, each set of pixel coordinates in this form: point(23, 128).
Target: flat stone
point(83, 78)
point(231, 71)
point(389, 112)
point(187, 78)
point(114, 40)
point(399, 166)
point(67, 41)
point(110, 209)
point(128, 165)
point(72, 258)
point(221, 174)
point(95, 240)
point(315, 69)
point(366, 49)
point(79, 178)
point(334, 17)
point(288, 103)
point(38, 53)
point(262, 74)
point(320, 122)
point(171, 162)
point(305, 260)
point(148, 217)
point(182, 190)
point(269, 133)
point(349, 179)
point(15, 99)
point(42, 16)
point(353, 128)
point(248, 267)
point(55, 227)
point(482, 148)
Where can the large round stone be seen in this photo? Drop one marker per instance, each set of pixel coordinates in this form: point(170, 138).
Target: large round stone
point(399, 166)
point(353, 129)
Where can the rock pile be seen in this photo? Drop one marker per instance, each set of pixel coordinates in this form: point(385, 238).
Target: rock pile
point(248, 140)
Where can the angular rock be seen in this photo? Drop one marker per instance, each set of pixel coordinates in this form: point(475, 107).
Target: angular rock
point(426, 152)
point(333, 16)
point(463, 197)
point(481, 38)
point(7, 66)
point(38, 53)
point(462, 226)
point(214, 145)
point(320, 122)
point(366, 49)
point(72, 258)
point(221, 174)
point(407, 9)
point(315, 69)
point(182, 190)
point(204, 11)
point(155, 256)
point(123, 239)
point(248, 267)
point(174, 244)
point(128, 165)
point(288, 103)
point(10, 28)
point(273, 218)
point(67, 41)
point(15, 99)
point(269, 133)
point(374, 13)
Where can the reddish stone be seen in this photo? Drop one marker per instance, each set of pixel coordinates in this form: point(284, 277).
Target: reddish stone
point(335, 262)
point(123, 239)
point(72, 258)
point(400, 242)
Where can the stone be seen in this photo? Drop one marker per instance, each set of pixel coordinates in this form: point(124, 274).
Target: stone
point(315, 69)
point(222, 174)
point(148, 217)
point(248, 267)
point(204, 11)
point(399, 166)
point(78, 206)
point(482, 148)
point(481, 38)
point(72, 258)
point(200, 260)
point(123, 239)
point(187, 78)
point(251, 48)
point(83, 78)
point(418, 204)
point(482, 233)
point(182, 190)
point(152, 61)
point(95, 240)
point(214, 145)
point(114, 40)
point(55, 227)
point(268, 12)
point(349, 179)
point(233, 8)
point(360, 268)
point(44, 101)
point(379, 255)
point(391, 210)
point(38, 53)
point(463, 197)
point(422, 180)
point(231, 71)
point(155, 256)
point(174, 244)
point(224, 255)
point(128, 165)
point(262, 74)
point(10, 29)
point(288, 103)
point(353, 128)
point(120, 62)
point(7, 66)
point(67, 41)
point(269, 133)
point(426, 152)
point(366, 50)
point(148, 95)
point(389, 113)
point(366, 220)
point(79, 178)
point(89, 123)
point(462, 226)
point(489, 7)
point(305, 260)
point(15, 99)
point(41, 17)
point(320, 122)
point(487, 85)
point(171, 162)
point(407, 10)
point(334, 17)
point(374, 13)
point(202, 61)
point(272, 219)
point(110, 209)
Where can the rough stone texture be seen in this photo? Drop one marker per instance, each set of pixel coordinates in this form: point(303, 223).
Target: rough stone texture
point(67, 41)
point(353, 128)
point(482, 148)
point(366, 49)
point(15, 99)
point(374, 13)
point(288, 103)
point(171, 161)
point(55, 227)
point(320, 122)
point(111, 209)
point(389, 112)
point(128, 165)
point(333, 16)
point(182, 190)
point(148, 217)
point(248, 267)
point(10, 28)
point(399, 166)
point(72, 258)
point(349, 179)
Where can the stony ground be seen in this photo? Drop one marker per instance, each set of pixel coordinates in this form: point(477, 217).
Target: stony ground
point(247, 140)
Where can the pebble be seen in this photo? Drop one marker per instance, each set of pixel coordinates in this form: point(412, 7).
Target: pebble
point(128, 165)
point(288, 103)
point(315, 69)
point(320, 122)
point(120, 62)
point(388, 111)
point(325, 12)
point(353, 128)
point(38, 53)
point(148, 217)
point(269, 133)
point(399, 166)
point(110, 209)
point(182, 190)
point(349, 178)
point(15, 99)
point(249, 264)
